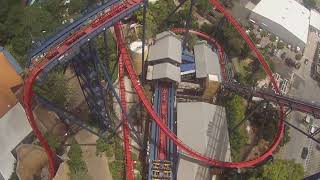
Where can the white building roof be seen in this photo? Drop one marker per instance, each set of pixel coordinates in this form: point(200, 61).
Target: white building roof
point(166, 71)
point(14, 127)
point(167, 48)
point(203, 127)
point(315, 19)
point(207, 61)
point(288, 13)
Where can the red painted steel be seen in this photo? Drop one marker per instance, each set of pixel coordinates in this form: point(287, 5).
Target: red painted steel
point(69, 42)
point(173, 137)
point(164, 116)
point(60, 49)
point(126, 130)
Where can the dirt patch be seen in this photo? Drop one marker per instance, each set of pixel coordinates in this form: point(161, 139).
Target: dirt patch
point(32, 161)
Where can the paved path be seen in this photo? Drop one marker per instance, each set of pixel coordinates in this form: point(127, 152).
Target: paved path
point(98, 167)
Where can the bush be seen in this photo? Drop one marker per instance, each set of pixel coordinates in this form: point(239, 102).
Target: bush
point(78, 168)
point(117, 170)
point(298, 56)
point(272, 38)
point(118, 150)
point(235, 114)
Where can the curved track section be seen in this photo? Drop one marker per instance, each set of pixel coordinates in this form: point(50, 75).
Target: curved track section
point(51, 57)
point(111, 17)
point(171, 135)
point(126, 130)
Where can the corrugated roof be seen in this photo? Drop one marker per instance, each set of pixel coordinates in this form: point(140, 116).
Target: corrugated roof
point(166, 71)
point(14, 127)
point(203, 127)
point(207, 61)
point(315, 19)
point(288, 13)
point(9, 79)
point(166, 48)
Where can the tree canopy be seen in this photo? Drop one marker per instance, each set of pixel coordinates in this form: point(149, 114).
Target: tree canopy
point(279, 170)
point(310, 3)
point(235, 113)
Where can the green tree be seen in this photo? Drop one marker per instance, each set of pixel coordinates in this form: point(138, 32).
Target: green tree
point(235, 113)
point(53, 141)
point(203, 7)
point(310, 3)
point(56, 88)
point(78, 168)
point(75, 7)
point(280, 45)
point(282, 170)
point(272, 38)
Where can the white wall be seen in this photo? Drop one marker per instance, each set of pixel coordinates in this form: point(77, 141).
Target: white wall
point(14, 127)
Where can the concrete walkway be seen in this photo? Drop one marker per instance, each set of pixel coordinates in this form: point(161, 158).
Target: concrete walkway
point(98, 167)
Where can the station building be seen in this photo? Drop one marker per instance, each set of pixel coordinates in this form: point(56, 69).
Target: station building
point(165, 58)
point(203, 127)
point(207, 68)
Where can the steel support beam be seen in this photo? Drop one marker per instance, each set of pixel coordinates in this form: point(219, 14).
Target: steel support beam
point(145, 6)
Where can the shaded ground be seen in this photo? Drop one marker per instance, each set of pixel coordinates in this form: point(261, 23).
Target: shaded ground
point(62, 173)
point(98, 167)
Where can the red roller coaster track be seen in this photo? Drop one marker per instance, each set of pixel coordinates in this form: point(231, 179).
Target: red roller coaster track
point(69, 42)
point(126, 130)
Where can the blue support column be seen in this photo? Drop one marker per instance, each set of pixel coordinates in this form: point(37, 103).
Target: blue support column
point(85, 67)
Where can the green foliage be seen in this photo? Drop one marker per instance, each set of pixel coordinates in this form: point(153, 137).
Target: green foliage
point(235, 113)
point(280, 45)
point(75, 7)
point(266, 119)
point(298, 56)
point(134, 157)
point(110, 60)
point(117, 170)
point(282, 170)
point(263, 33)
point(78, 168)
point(55, 88)
point(156, 14)
point(103, 146)
point(286, 137)
point(272, 38)
point(53, 141)
point(310, 4)
point(233, 43)
point(203, 7)
point(118, 151)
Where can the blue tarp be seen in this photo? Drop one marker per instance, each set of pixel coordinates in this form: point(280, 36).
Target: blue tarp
point(187, 67)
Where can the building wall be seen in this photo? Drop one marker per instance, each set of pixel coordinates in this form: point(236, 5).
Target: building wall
point(14, 127)
point(277, 29)
point(9, 78)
